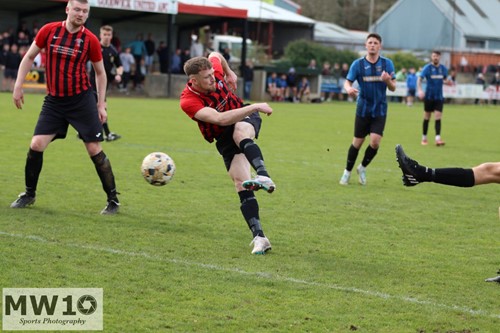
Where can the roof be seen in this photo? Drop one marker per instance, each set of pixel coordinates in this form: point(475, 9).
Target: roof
point(326, 31)
point(474, 18)
point(257, 10)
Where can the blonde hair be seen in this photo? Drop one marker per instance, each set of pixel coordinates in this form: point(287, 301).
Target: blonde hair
point(107, 28)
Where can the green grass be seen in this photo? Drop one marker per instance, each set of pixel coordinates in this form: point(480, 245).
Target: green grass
point(379, 258)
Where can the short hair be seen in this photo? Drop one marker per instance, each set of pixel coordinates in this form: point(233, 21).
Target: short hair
point(107, 28)
point(374, 35)
point(197, 64)
point(436, 52)
point(84, 2)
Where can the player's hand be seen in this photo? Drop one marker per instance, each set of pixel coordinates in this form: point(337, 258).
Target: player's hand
point(353, 92)
point(232, 80)
point(264, 108)
point(103, 115)
point(386, 77)
point(421, 94)
point(18, 98)
point(118, 78)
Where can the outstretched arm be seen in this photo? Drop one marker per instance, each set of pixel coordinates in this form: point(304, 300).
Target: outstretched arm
point(231, 77)
point(211, 115)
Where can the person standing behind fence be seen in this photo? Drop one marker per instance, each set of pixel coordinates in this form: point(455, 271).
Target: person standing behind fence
point(435, 75)
point(411, 86)
point(374, 74)
point(128, 62)
point(247, 78)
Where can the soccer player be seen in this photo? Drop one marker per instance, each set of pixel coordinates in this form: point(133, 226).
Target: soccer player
point(435, 75)
point(112, 66)
point(414, 173)
point(208, 99)
point(70, 99)
point(374, 74)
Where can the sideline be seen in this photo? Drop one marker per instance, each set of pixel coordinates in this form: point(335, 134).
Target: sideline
point(262, 275)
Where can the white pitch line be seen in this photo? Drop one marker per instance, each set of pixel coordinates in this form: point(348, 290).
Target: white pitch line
point(263, 275)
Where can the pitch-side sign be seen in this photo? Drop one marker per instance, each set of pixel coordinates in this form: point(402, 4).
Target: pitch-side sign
point(154, 6)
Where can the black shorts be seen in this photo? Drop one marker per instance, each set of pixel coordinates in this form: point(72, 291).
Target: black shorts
point(225, 142)
point(431, 105)
point(79, 111)
point(411, 92)
point(366, 125)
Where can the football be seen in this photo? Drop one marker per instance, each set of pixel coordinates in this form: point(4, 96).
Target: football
point(158, 168)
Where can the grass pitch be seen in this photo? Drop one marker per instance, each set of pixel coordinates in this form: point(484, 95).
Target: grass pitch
point(378, 258)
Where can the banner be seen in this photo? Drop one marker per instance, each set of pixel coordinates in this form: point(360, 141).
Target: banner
point(154, 6)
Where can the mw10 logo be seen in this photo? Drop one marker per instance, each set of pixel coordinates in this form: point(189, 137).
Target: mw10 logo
point(52, 309)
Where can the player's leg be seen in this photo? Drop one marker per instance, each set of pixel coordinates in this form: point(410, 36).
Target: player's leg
point(361, 130)
point(239, 170)
point(414, 173)
point(438, 115)
point(428, 109)
point(487, 173)
point(32, 170)
point(243, 136)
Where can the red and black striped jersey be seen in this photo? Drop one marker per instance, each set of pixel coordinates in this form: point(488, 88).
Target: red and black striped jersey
point(67, 55)
point(222, 100)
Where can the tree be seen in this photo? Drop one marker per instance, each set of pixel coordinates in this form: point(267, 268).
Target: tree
point(350, 14)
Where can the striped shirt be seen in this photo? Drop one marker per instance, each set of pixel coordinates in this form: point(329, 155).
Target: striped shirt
point(434, 76)
point(222, 100)
point(67, 55)
point(372, 98)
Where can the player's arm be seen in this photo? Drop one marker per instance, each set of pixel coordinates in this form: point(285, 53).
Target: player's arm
point(24, 68)
point(100, 80)
point(210, 115)
point(231, 77)
point(419, 87)
point(350, 90)
point(389, 80)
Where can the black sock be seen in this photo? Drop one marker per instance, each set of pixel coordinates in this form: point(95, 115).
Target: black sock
point(425, 126)
point(369, 155)
point(437, 125)
point(106, 128)
point(250, 210)
point(352, 155)
point(34, 162)
point(254, 156)
point(454, 176)
point(103, 168)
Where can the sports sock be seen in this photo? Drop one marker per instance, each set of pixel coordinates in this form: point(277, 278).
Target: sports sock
point(250, 210)
point(369, 155)
point(34, 162)
point(425, 127)
point(106, 128)
point(254, 156)
point(352, 155)
point(103, 168)
point(454, 177)
point(437, 125)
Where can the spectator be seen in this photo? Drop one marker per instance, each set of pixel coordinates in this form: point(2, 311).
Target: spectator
point(176, 62)
point(291, 81)
point(196, 49)
point(3, 60)
point(282, 87)
point(304, 89)
point(496, 86)
point(128, 62)
point(480, 81)
point(227, 54)
point(343, 78)
point(272, 87)
point(162, 53)
point(12, 62)
point(411, 85)
point(138, 49)
point(312, 65)
point(247, 78)
point(150, 46)
point(185, 56)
